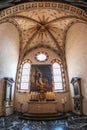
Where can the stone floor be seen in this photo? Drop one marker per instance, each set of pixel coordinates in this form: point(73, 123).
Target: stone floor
point(14, 123)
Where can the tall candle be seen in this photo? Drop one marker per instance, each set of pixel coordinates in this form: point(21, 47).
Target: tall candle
point(65, 99)
point(62, 100)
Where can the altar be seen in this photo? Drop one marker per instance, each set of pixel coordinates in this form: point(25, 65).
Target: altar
point(42, 107)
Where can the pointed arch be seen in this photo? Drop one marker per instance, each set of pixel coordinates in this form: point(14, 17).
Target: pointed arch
point(24, 76)
point(58, 76)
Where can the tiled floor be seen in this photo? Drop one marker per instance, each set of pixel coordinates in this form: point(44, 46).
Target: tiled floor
point(14, 123)
point(43, 125)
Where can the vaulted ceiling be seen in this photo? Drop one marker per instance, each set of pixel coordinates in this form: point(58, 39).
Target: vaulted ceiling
point(43, 24)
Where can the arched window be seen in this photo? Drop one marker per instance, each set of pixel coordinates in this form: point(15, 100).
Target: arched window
point(24, 76)
point(58, 76)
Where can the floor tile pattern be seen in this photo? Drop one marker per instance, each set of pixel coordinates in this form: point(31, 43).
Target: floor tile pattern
point(14, 123)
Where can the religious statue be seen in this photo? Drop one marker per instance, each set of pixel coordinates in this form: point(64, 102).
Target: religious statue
point(38, 80)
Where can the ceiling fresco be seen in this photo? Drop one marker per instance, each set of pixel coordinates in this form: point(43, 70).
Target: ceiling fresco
point(42, 25)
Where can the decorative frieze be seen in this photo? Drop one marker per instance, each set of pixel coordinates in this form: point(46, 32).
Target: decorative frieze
point(34, 5)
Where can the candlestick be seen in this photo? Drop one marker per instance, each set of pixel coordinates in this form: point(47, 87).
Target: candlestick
point(65, 99)
point(62, 100)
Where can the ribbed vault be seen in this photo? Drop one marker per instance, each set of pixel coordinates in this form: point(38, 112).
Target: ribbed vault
point(43, 26)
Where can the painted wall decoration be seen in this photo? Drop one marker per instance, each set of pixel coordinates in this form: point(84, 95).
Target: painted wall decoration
point(41, 78)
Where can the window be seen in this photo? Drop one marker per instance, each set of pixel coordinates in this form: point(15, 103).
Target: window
point(58, 76)
point(24, 76)
point(41, 56)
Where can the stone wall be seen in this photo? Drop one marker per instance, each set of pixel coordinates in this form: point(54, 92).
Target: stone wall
point(9, 54)
point(76, 56)
point(23, 98)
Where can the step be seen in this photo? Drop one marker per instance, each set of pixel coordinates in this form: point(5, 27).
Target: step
point(39, 117)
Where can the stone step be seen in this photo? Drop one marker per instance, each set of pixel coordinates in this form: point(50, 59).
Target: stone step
point(39, 117)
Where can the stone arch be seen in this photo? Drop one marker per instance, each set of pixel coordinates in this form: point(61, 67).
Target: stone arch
point(9, 42)
point(69, 26)
point(76, 56)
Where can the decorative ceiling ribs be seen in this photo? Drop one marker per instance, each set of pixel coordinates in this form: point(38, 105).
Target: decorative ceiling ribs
point(45, 21)
point(44, 46)
point(39, 29)
point(54, 39)
point(66, 17)
point(26, 18)
point(42, 27)
point(28, 43)
point(49, 26)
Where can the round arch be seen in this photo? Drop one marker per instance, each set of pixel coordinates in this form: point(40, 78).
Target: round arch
point(9, 50)
point(76, 56)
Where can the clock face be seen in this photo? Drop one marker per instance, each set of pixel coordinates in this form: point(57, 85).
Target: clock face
point(42, 56)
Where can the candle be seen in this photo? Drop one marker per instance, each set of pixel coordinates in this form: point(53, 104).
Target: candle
point(62, 100)
point(65, 99)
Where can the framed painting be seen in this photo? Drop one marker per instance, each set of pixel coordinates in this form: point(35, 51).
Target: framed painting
point(8, 88)
point(76, 82)
point(41, 77)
